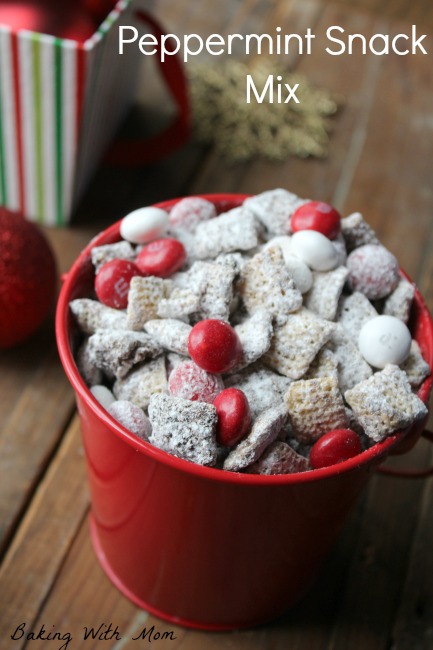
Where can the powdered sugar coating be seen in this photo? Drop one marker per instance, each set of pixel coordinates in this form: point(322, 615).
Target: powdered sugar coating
point(399, 302)
point(89, 372)
point(255, 335)
point(274, 209)
point(373, 271)
point(183, 428)
point(180, 304)
point(213, 283)
point(115, 352)
point(263, 388)
point(145, 294)
point(279, 458)
point(267, 284)
point(264, 431)
point(351, 366)
point(131, 417)
point(234, 230)
point(323, 297)
point(92, 315)
point(142, 382)
point(315, 407)
point(384, 403)
point(353, 312)
point(121, 250)
point(190, 211)
point(415, 367)
point(189, 381)
point(357, 232)
point(296, 343)
point(170, 334)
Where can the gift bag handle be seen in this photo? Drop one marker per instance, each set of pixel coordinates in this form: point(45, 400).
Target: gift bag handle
point(146, 150)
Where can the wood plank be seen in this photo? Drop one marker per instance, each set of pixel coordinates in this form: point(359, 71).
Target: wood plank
point(44, 537)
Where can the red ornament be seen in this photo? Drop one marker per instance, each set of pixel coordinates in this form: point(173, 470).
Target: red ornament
point(334, 447)
point(66, 19)
point(319, 216)
point(214, 345)
point(234, 416)
point(189, 381)
point(162, 257)
point(98, 8)
point(112, 282)
point(28, 278)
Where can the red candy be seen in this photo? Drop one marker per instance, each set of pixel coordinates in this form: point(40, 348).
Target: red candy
point(234, 416)
point(162, 257)
point(214, 345)
point(112, 282)
point(190, 211)
point(334, 447)
point(319, 216)
point(189, 381)
point(373, 271)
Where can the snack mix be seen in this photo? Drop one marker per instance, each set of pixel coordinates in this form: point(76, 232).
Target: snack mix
point(269, 339)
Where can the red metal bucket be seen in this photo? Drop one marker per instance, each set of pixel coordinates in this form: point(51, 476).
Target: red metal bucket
point(199, 546)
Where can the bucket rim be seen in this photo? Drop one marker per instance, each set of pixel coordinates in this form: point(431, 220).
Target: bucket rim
point(369, 458)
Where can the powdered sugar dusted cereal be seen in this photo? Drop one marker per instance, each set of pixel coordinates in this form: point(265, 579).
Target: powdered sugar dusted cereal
point(237, 345)
point(323, 297)
point(144, 297)
point(296, 343)
point(170, 334)
point(274, 209)
point(351, 366)
point(279, 458)
point(315, 407)
point(266, 284)
point(121, 250)
point(255, 335)
point(180, 304)
point(415, 367)
point(115, 352)
point(142, 382)
point(384, 403)
point(235, 230)
point(353, 312)
point(399, 302)
point(184, 428)
point(357, 232)
point(264, 431)
point(263, 387)
point(213, 283)
point(92, 315)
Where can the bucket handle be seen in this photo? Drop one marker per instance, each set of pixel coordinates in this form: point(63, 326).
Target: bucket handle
point(409, 473)
point(130, 152)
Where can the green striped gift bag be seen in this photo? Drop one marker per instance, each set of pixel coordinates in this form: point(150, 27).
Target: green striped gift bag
point(60, 104)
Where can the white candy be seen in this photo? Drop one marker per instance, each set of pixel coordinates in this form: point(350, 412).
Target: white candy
point(298, 270)
point(144, 225)
point(104, 396)
point(314, 249)
point(383, 340)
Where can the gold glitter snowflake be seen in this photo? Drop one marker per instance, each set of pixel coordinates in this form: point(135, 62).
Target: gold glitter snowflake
point(241, 131)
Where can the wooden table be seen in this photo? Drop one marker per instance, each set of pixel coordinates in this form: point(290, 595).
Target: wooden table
point(376, 589)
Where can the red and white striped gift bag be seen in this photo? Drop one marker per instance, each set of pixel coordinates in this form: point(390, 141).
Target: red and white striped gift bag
point(60, 104)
